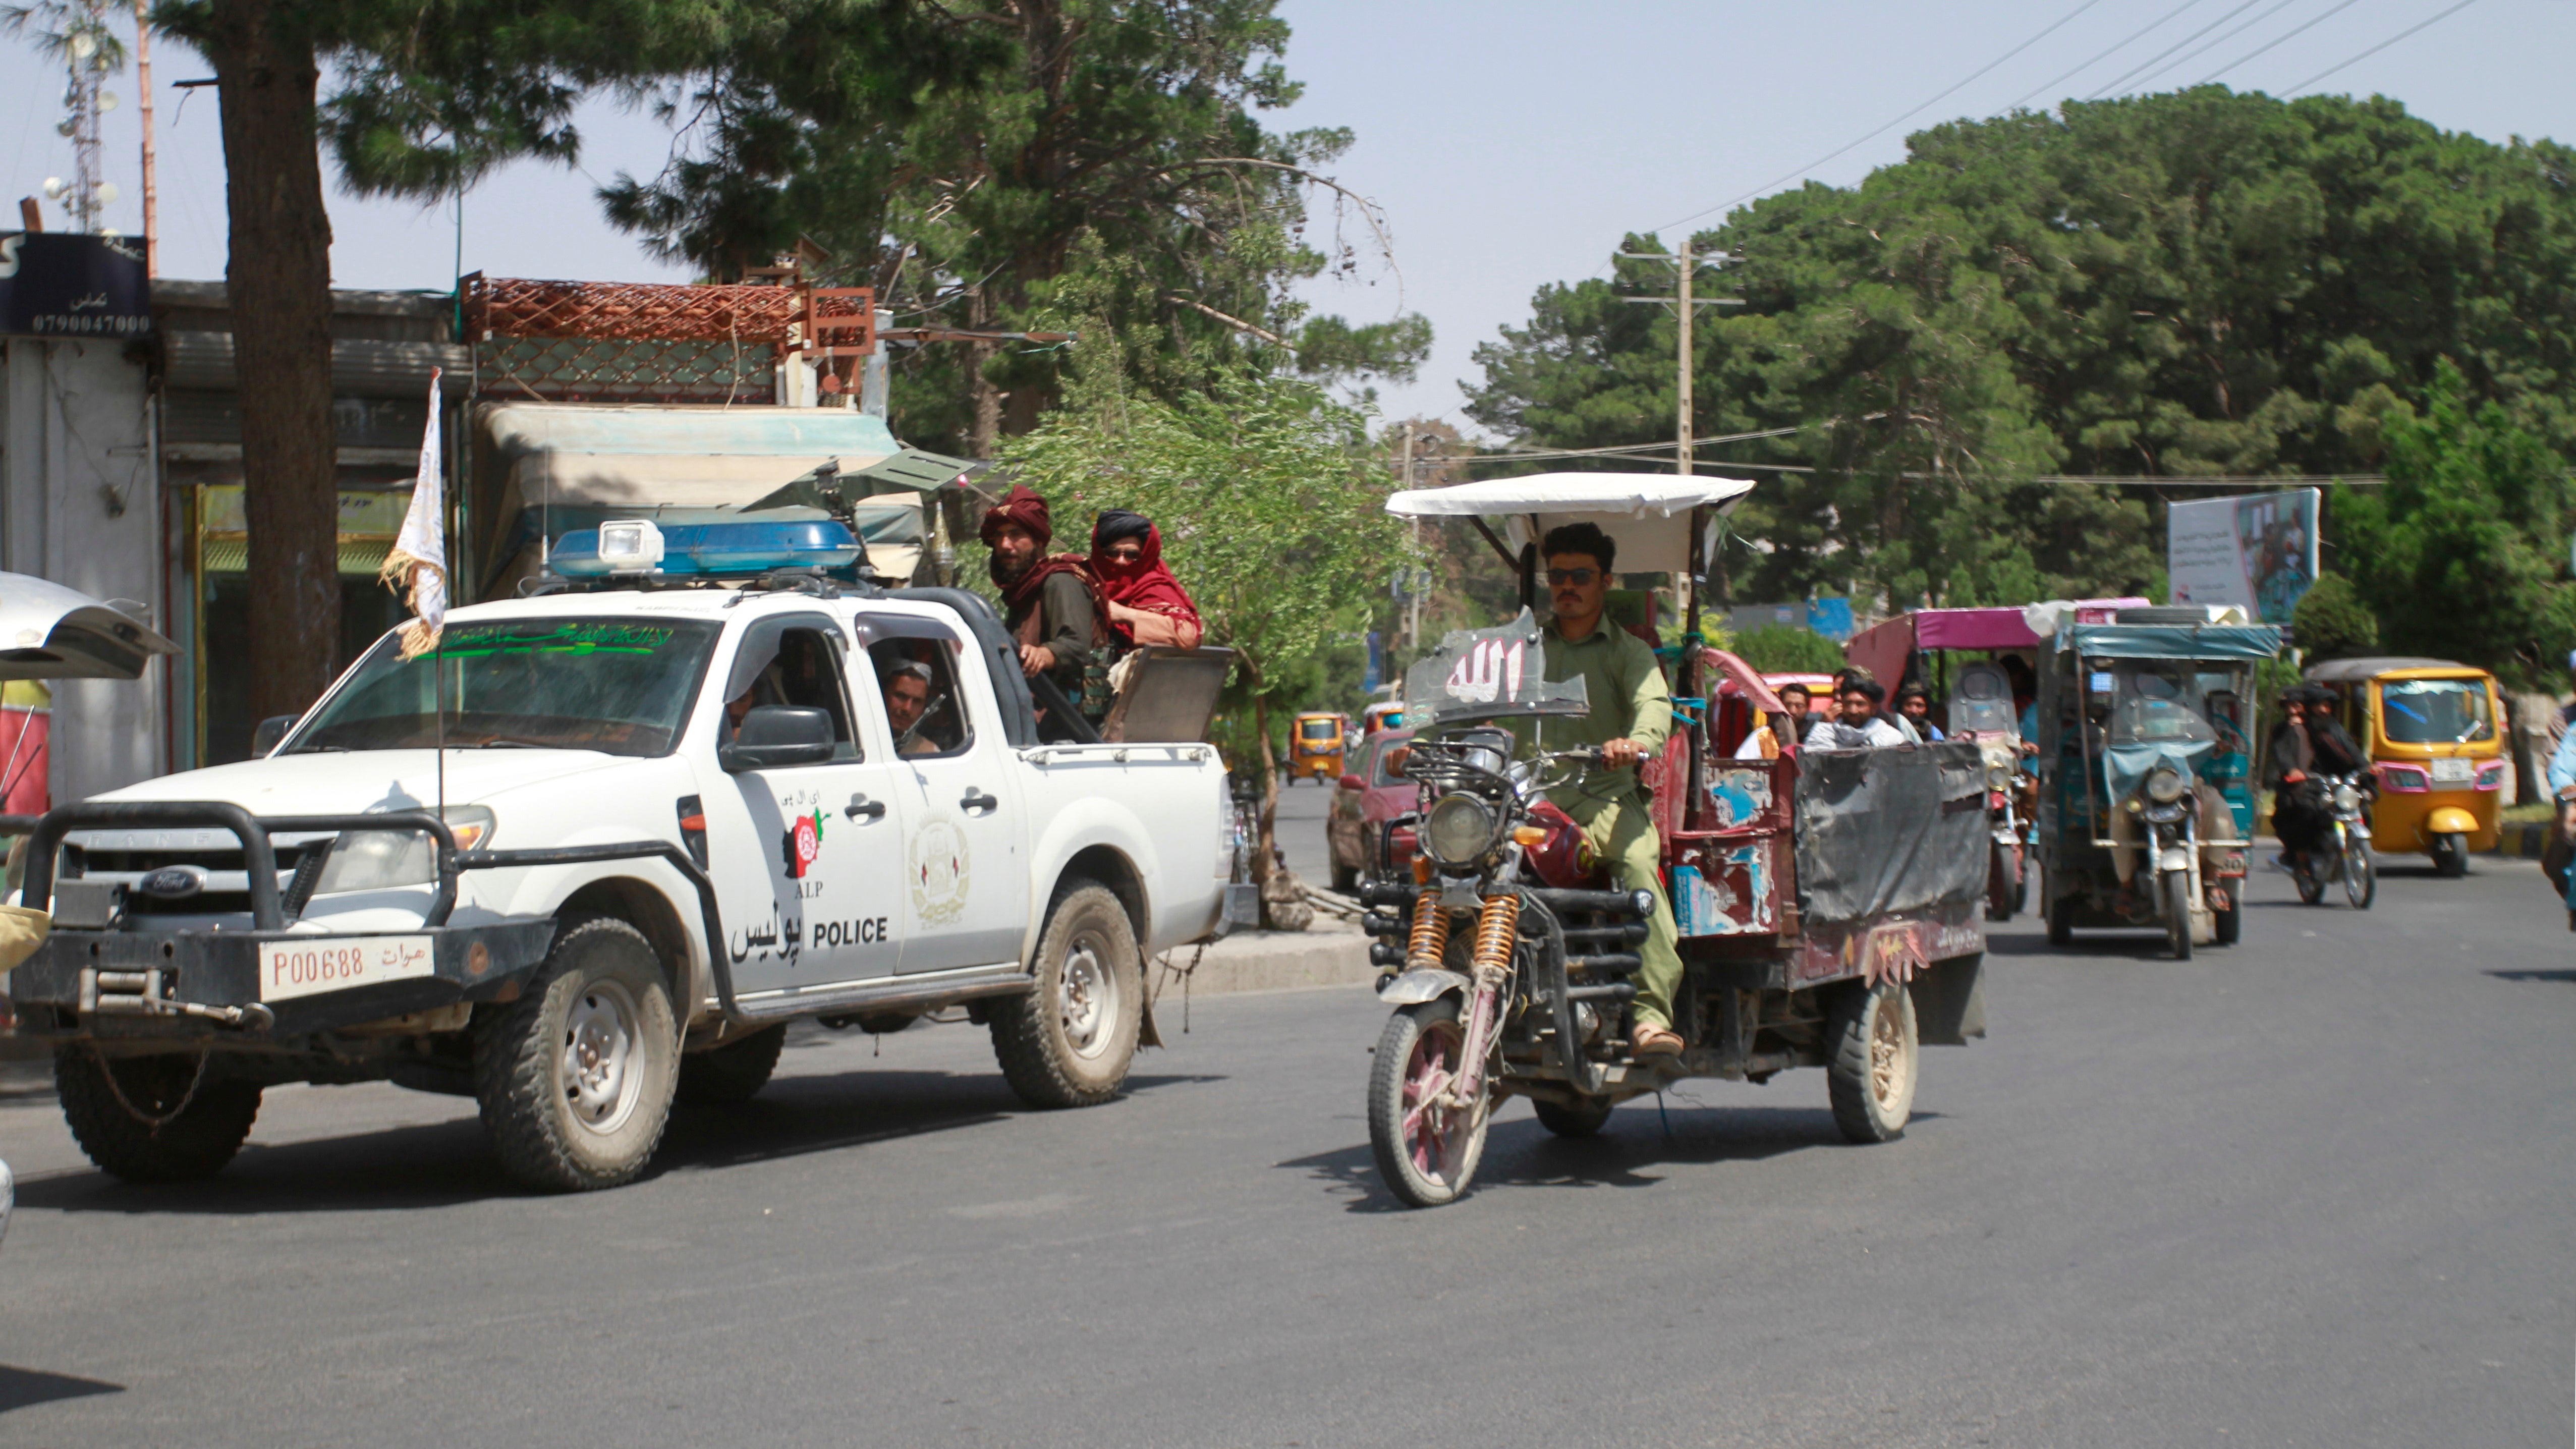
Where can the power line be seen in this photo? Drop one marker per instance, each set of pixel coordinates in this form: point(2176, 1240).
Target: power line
point(2222, 40)
point(1909, 115)
point(2097, 59)
point(2376, 49)
point(2330, 12)
point(2170, 49)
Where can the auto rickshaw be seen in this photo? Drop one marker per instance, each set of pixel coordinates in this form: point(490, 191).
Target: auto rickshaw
point(1317, 748)
point(2430, 728)
point(2145, 730)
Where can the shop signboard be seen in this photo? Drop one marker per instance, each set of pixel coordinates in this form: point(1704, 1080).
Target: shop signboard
point(71, 284)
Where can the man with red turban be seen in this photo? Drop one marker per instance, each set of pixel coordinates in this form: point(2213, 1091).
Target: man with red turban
point(1145, 604)
point(1049, 601)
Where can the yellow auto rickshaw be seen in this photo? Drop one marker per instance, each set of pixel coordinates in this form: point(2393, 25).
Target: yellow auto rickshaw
point(2430, 727)
point(1316, 752)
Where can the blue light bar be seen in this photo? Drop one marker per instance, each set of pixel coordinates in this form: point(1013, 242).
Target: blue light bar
point(719, 549)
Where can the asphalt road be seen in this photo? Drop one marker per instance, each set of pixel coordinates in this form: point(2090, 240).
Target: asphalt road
point(2314, 1190)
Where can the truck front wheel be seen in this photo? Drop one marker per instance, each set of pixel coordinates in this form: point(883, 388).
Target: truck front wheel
point(575, 1077)
point(156, 1118)
point(1069, 1042)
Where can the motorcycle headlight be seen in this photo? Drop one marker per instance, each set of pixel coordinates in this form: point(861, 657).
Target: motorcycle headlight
point(1999, 777)
point(2164, 784)
point(374, 860)
point(1459, 830)
point(2347, 798)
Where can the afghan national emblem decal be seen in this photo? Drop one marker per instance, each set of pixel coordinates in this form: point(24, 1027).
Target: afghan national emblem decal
point(938, 866)
point(802, 844)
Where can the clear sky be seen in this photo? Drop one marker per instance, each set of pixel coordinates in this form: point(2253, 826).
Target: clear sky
point(1510, 142)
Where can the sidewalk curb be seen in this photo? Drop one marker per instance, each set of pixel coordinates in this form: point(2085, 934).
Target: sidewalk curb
point(1265, 961)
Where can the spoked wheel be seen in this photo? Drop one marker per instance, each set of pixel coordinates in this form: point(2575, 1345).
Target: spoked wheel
point(2450, 855)
point(2178, 913)
point(1426, 1147)
point(1871, 1074)
point(2360, 875)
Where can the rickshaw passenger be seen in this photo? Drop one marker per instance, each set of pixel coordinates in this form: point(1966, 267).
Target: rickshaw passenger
point(1861, 726)
point(1767, 738)
point(1632, 716)
point(1914, 708)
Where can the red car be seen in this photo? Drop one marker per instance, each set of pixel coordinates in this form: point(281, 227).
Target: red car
point(1369, 796)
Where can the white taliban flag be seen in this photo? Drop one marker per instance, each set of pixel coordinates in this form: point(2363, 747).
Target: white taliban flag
point(417, 568)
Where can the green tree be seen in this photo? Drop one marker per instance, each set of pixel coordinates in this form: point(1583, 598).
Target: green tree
point(2176, 285)
point(1107, 166)
point(2464, 554)
point(1270, 508)
point(1779, 649)
point(428, 95)
point(2332, 622)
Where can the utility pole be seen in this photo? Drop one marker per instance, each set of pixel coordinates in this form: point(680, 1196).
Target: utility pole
point(1413, 593)
point(143, 84)
point(1685, 306)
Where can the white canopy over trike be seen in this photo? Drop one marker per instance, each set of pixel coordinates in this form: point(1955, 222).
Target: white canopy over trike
point(1636, 509)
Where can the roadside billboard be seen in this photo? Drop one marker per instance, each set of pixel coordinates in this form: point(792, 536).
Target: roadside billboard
point(2258, 550)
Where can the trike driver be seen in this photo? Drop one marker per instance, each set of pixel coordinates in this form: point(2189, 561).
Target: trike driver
point(1632, 716)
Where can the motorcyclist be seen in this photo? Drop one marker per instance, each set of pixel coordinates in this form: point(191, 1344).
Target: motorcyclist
point(1632, 716)
point(2307, 743)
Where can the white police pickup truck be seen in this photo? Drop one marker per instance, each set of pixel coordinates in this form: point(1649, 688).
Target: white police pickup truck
point(675, 818)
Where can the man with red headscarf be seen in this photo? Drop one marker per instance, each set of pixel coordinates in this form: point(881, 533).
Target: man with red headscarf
point(1145, 604)
point(1048, 600)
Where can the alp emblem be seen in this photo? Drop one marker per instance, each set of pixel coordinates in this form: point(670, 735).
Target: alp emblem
point(173, 882)
point(802, 844)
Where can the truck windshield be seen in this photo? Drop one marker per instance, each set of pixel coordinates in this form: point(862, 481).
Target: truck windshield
point(2434, 711)
point(612, 685)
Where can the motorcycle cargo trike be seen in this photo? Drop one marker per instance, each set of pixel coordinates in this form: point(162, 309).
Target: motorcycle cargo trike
point(1827, 901)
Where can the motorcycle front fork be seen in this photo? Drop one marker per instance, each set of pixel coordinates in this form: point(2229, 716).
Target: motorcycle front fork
point(1497, 931)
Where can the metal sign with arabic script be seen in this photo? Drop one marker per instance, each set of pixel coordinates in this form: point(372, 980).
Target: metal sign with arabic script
point(68, 284)
point(1488, 674)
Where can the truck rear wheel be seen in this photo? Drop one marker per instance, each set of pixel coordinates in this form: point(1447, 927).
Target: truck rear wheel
point(732, 1074)
point(153, 1119)
point(1872, 1070)
point(1069, 1042)
point(575, 1077)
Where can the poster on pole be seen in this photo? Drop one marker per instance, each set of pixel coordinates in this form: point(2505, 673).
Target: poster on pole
point(2257, 550)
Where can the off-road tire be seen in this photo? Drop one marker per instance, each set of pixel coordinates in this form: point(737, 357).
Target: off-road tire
point(1565, 1121)
point(1872, 1098)
point(732, 1074)
point(604, 970)
point(194, 1144)
point(2177, 892)
point(1060, 1049)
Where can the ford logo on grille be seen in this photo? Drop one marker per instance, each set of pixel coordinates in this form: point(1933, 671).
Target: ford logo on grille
point(173, 882)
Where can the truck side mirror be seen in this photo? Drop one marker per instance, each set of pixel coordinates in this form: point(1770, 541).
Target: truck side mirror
point(777, 736)
point(263, 740)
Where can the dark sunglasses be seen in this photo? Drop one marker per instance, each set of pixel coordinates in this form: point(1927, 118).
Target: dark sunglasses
point(1577, 577)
